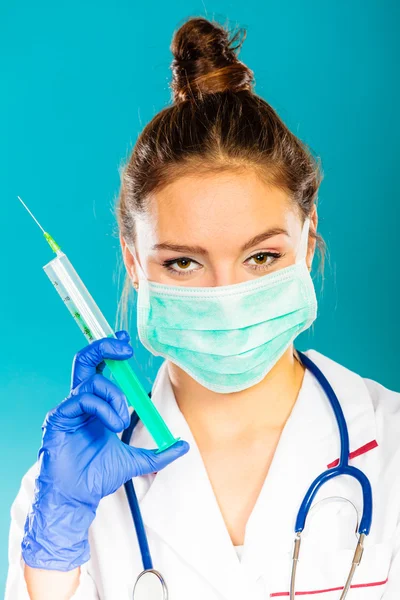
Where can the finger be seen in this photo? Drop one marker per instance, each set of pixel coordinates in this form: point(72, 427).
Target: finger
point(148, 461)
point(122, 335)
point(100, 367)
point(87, 360)
point(109, 392)
point(67, 416)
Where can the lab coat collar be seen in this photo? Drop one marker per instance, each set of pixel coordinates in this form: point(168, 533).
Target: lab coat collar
point(179, 505)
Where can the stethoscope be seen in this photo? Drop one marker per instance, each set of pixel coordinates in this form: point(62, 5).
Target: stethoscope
point(150, 584)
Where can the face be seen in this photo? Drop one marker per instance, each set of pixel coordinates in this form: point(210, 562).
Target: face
point(217, 230)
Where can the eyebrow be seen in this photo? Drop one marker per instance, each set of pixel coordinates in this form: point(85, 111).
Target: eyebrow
point(257, 239)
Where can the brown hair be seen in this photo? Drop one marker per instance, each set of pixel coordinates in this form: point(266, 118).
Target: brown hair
point(215, 123)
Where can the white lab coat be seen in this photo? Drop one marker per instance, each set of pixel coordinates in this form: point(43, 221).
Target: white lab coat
point(188, 539)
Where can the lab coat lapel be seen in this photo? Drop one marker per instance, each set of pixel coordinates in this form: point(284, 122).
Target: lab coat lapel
point(309, 442)
point(180, 505)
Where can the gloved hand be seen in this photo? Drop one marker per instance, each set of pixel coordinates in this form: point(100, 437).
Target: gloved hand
point(81, 460)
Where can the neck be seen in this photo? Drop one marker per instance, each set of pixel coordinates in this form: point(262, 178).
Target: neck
point(266, 406)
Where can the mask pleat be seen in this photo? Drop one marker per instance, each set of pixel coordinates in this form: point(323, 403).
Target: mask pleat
point(227, 342)
point(231, 313)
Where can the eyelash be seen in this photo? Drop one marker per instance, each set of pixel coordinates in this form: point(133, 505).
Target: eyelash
point(167, 264)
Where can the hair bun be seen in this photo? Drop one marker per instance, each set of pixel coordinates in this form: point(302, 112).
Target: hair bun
point(205, 60)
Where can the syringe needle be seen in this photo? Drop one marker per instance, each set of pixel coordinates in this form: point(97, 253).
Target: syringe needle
point(52, 243)
point(33, 217)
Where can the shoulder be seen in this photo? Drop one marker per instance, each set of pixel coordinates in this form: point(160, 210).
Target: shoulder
point(365, 403)
point(382, 398)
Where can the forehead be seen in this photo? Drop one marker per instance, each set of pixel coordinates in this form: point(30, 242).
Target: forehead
point(207, 208)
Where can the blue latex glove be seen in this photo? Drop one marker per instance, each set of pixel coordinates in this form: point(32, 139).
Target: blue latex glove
point(81, 460)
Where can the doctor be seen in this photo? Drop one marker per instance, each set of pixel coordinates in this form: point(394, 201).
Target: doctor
point(218, 219)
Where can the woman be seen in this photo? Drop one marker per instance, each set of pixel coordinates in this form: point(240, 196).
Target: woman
point(218, 220)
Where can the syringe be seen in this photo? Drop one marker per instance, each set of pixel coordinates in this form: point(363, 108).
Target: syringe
point(94, 326)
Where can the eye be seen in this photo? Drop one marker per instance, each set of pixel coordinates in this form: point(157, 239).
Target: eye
point(263, 260)
point(183, 264)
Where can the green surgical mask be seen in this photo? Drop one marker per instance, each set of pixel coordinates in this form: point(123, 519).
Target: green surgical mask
point(228, 337)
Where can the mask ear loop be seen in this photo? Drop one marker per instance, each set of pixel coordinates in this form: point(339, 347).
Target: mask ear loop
point(301, 255)
point(303, 246)
point(143, 296)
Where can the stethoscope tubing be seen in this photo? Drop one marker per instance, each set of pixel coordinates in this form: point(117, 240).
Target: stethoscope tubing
point(343, 468)
point(134, 504)
point(335, 404)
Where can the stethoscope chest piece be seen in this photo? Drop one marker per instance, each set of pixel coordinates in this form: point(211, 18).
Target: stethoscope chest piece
point(150, 585)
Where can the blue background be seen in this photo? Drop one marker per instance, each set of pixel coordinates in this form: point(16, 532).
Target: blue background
point(79, 80)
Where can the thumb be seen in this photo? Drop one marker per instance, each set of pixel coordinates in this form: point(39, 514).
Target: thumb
point(149, 461)
point(123, 335)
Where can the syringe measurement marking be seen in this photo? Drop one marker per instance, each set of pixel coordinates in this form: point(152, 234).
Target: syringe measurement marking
point(78, 317)
point(85, 328)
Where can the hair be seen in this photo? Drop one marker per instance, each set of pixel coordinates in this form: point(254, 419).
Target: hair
point(216, 123)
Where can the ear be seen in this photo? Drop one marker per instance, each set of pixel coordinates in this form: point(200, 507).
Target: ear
point(312, 242)
point(129, 261)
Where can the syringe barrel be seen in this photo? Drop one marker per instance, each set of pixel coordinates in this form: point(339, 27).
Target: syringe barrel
point(94, 326)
